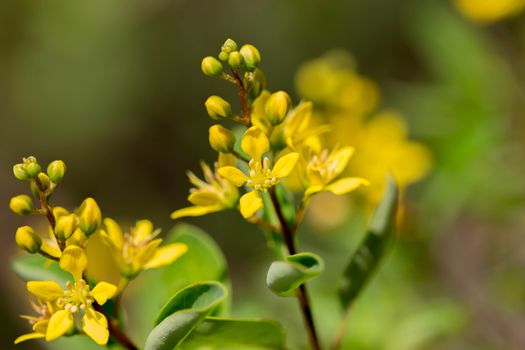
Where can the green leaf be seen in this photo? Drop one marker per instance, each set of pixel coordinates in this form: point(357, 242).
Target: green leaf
point(203, 262)
point(183, 313)
point(285, 276)
point(229, 334)
point(38, 268)
point(369, 253)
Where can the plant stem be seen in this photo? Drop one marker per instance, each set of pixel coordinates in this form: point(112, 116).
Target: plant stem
point(301, 293)
point(243, 96)
point(340, 333)
point(48, 210)
point(115, 332)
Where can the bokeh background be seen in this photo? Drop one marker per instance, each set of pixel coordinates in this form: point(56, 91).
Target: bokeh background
point(114, 88)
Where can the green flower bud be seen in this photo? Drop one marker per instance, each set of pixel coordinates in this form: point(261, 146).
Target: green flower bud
point(211, 66)
point(221, 139)
point(21, 204)
point(277, 107)
point(252, 57)
point(65, 226)
point(218, 108)
point(56, 171)
point(27, 239)
point(20, 172)
point(90, 216)
point(44, 180)
point(33, 169)
point(235, 60)
point(223, 56)
point(257, 81)
point(229, 46)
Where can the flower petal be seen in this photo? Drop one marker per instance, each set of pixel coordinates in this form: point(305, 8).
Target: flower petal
point(60, 323)
point(285, 165)
point(340, 159)
point(45, 290)
point(204, 198)
point(255, 143)
point(74, 260)
point(50, 247)
point(346, 185)
point(311, 190)
point(103, 291)
point(226, 159)
point(234, 175)
point(143, 230)
point(195, 211)
point(146, 253)
point(41, 326)
point(166, 255)
point(28, 337)
point(95, 325)
point(114, 232)
point(250, 203)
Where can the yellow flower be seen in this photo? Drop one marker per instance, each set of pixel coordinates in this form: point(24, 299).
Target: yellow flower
point(75, 303)
point(39, 323)
point(212, 195)
point(323, 169)
point(139, 249)
point(489, 10)
point(260, 177)
point(383, 147)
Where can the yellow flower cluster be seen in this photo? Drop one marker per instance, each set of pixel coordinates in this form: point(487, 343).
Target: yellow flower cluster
point(75, 307)
point(347, 101)
point(280, 144)
point(486, 11)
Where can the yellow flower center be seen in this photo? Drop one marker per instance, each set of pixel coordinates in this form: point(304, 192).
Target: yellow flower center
point(76, 297)
point(324, 165)
point(261, 175)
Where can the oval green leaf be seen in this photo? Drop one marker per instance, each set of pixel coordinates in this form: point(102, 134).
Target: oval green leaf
point(373, 247)
point(221, 333)
point(285, 276)
point(183, 313)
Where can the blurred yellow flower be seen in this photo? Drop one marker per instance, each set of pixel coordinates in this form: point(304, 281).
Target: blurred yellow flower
point(260, 177)
point(323, 169)
point(212, 195)
point(76, 299)
point(489, 10)
point(346, 100)
point(39, 323)
point(383, 147)
point(139, 249)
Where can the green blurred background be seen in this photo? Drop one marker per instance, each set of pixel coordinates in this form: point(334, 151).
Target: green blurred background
point(114, 89)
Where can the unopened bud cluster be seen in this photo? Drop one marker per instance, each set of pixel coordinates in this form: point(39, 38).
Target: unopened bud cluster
point(67, 227)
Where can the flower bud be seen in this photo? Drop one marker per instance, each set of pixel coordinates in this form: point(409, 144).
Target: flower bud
point(56, 171)
point(90, 216)
point(21, 204)
point(20, 172)
point(229, 46)
point(211, 66)
point(77, 238)
point(33, 169)
point(257, 82)
point(277, 107)
point(218, 108)
point(65, 226)
point(59, 211)
point(235, 60)
point(44, 180)
point(27, 239)
point(223, 56)
point(221, 139)
point(252, 57)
